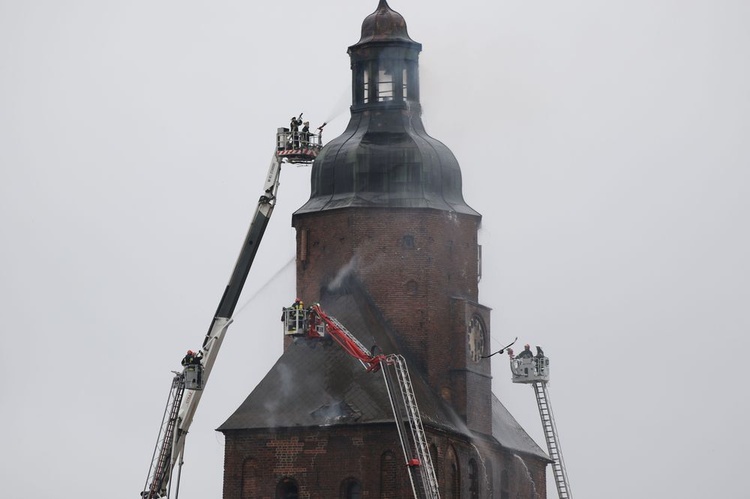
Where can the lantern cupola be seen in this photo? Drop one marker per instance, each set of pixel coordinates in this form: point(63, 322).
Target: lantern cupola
point(385, 158)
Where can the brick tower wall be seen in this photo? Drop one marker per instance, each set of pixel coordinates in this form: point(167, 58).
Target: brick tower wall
point(413, 262)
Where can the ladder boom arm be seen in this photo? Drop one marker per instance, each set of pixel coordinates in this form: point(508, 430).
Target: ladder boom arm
point(223, 317)
point(553, 440)
point(347, 341)
point(534, 370)
point(249, 248)
point(403, 404)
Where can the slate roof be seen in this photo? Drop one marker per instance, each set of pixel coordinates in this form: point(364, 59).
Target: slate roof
point(315, 383)
point(510, 434)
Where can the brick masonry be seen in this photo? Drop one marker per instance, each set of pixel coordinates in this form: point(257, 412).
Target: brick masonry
point(322, 461)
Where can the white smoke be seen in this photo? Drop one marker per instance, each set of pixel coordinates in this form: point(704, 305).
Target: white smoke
point(343, 274)
point(484, 467)
point(528, 475)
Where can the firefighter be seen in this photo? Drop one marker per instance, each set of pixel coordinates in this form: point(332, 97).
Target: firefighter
point(294, 130)
point(191, 358)
point(305, 134)
point(294, 316)
point(526, 354)
point(299, 313)
point(294, 125)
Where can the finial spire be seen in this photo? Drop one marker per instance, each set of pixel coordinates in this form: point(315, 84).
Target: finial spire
point(385, 24)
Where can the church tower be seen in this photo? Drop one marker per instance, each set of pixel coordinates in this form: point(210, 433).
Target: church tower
point(387, 245)
point(386, 205)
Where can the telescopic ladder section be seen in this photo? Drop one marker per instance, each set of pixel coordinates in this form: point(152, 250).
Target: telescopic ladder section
point(401, 395)
point(535, 371)
point(348, 341)
point(158, 472)
point(416, 452)
point(550, 434)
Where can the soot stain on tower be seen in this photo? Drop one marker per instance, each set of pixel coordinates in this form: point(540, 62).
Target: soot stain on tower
point(388, 246)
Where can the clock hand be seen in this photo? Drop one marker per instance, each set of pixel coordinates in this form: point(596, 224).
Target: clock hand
point(501, 350)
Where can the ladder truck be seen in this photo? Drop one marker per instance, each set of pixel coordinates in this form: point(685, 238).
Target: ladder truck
point(313, 322)
point(188, 385)
point(534, 370)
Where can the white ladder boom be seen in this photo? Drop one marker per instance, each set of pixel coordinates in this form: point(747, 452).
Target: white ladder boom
point(534, 370)
point(553, 444)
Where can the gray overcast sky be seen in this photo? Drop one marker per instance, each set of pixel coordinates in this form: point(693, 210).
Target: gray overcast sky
point(605, 144)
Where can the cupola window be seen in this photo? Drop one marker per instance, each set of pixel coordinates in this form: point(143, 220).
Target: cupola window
point(383, 81)
point(365, 86)
point(385, 85)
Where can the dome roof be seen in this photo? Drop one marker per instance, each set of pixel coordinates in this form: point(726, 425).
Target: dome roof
point(386, 160)
point(384, 25)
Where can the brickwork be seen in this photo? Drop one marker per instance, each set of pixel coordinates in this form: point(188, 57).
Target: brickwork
point(470, 379)
point(318, 459)
point(413, 262)
point(321, 460)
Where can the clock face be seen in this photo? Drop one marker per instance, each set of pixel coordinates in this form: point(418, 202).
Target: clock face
point(475, 338)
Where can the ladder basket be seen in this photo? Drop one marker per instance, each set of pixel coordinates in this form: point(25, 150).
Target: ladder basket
point(193, 377)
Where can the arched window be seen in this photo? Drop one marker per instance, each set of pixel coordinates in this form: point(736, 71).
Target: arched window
point(249, 478)
point(385, 83)
point(455, 484)
point(364, 93)
point(351, 489)
point(504, 485)
point(454, 475)
point(363, 86)
point(287, 489)
point(473, 479)
point(388, 476)
point(404, 84)
point(434, 456)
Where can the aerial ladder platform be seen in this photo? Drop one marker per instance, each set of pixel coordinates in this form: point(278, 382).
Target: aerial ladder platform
point(313, 322)
point(160, 460)
point(292, 146)
point(534, 370)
